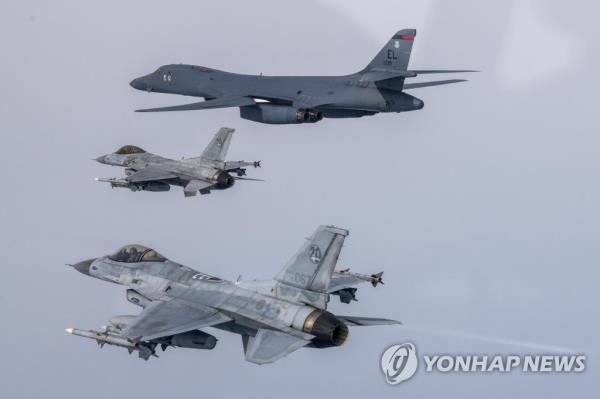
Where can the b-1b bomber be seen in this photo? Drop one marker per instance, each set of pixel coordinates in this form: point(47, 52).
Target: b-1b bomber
point(274, 317)
point(150, 172)
point(378, 87)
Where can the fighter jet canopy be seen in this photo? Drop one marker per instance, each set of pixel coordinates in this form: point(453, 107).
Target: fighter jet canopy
point(136, 253)
point(129, 149)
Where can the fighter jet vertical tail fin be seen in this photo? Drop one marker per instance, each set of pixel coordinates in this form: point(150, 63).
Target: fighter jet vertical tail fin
point(396, 53)
point(312, 266)
point(218, 146)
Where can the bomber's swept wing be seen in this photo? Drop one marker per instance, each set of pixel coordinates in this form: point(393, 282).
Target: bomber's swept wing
point(268, 346)
point(161, 319)
point(221, 102)
point(150, 173)
point(366, 321)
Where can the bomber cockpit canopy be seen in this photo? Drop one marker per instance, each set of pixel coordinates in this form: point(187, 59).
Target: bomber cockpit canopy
point(129, 149)
point(136, 253)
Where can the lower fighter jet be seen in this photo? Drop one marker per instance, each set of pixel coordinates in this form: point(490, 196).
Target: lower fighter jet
point(274, 317)
point(151, 172)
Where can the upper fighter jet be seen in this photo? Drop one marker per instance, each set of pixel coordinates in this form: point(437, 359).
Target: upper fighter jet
point(299, 99)
point(274, 317)
point(151, 172)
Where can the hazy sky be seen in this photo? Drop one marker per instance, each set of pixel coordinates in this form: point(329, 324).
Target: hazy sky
point(482, 208)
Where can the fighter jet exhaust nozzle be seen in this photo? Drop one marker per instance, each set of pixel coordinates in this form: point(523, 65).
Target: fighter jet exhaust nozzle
point(224, 180)
point(328, 330)
point(280, 114)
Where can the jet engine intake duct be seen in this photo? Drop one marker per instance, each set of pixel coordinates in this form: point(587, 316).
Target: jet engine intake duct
point(224, 180)
point(136, 298)
point(280, 114)
point(327, 329)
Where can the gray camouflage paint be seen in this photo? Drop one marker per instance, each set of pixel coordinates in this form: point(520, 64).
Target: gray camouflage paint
point(177, 298)
point(151, 172)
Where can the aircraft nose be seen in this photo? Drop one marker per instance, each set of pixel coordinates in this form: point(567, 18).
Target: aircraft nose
point(101, 159)
point(138, 84)
point(84, 266)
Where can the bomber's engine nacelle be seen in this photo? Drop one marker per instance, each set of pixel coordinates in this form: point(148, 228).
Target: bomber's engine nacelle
point(280, 114)
point(195, 339)
point(327, 329)
point(224, 180)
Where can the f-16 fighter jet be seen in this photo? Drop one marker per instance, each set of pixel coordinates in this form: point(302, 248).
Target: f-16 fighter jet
point(151, 172)
point(300, 99)
point(274, 317)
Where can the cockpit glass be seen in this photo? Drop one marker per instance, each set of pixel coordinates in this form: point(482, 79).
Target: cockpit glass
point(129, 149)
point(135, 254)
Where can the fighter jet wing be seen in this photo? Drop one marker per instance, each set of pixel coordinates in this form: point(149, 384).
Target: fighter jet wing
point(150, 173)
point(161, 319)
point(221, 102)
point(270, 345)
point(366, 321)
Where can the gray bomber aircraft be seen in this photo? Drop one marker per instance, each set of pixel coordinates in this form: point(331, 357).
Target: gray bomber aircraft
point(151, 172)
point(299, 99)
point(274, 317)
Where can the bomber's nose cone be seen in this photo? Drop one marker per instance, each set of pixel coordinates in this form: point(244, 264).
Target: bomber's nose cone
point(138, 84)
point(418, 104)
point(84, 266)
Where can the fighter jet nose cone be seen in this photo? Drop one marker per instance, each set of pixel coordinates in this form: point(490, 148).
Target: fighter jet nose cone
point(84, 266)
point(101, 159)
point(133, 83)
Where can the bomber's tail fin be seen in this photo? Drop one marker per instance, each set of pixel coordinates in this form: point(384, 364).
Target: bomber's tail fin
point(396, 53)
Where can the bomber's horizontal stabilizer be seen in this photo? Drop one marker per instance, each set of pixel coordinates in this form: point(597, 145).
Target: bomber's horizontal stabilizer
point(222, 102)
point(429, 71)
point(434, 83)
